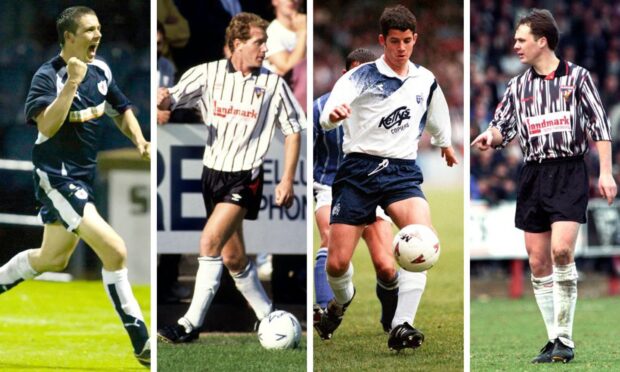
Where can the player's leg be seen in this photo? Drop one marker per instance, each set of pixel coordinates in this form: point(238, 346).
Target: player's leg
point(563, 238)
point(378, 237)
point(243, 271)
point(538, 246)
point(322, 289)
point(413, 210)
point(56, 249)
point(343, 239)
point(223, 221)
point(111, 250)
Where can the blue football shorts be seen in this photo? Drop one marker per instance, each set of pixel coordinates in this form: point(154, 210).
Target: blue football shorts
point(364, 182)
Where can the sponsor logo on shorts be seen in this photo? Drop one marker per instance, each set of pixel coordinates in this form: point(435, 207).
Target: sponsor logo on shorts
point(81, 194)
point(396, 121)
point(541, 125)
point(236, 197)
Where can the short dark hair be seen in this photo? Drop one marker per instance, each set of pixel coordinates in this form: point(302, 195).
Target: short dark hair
point(397, 17)
point(360, 55)
point(239, 28)
point(542, 24)
point(67, 21)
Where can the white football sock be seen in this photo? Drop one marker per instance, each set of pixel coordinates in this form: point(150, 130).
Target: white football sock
point(207, 283)
point(410, 289)
point(249, 285)
point(342, 286)
point(543, 292)
point(119, 291)
point(17, 268)
point(564, 301)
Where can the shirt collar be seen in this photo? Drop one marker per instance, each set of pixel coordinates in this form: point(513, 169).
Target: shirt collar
point(386, 70)
point(562, 70)
point(231, 69)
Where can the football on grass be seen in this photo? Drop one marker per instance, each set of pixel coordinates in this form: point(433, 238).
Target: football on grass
point(416, 248)
point(279, 330)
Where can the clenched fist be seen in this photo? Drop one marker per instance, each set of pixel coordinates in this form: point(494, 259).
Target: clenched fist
point(76, 70)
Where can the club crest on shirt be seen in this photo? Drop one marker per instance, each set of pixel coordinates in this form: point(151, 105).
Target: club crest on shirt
point(418, 98)
point(259, 91)
point(566, 91)
point(102, 87)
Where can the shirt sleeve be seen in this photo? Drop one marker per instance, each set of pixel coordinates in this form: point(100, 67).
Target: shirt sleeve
point(344, 92)
point(188, 91)
point(438, 119)
point(505, 119)
point(41, 94)
point(116, 101)
point(290, 116)
point(597, 121)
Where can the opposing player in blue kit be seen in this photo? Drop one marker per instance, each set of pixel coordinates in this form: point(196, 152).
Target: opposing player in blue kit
point(68, 96)
point(387, 105)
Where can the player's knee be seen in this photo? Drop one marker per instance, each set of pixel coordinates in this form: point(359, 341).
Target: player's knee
point(385, 271)
point(540, 266)
point(235, 262)
point(562, 254)
point(336, 268)
point(58, 263)
point(210, 245)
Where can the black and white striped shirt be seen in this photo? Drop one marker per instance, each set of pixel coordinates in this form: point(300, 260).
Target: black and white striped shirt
point(241, 112)
point(552, 114)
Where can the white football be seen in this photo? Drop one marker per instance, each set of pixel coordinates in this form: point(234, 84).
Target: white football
point(279, 330)
point(416, 248)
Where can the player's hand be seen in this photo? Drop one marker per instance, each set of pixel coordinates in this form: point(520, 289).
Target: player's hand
point(163, 116)
point(144, 148)
point(299, 22)
point(483, 141)
point(607, 187)
point(76, 70)
point(285, 194)
point(340, 113)
point(448, 154)
point(163, 99)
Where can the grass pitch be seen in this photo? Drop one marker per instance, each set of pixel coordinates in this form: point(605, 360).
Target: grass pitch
point(359, 344)
point(229, 352)
point(65, 326)
point(507, 334)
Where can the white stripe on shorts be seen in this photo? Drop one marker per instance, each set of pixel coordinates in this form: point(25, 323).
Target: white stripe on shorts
point(62, 205)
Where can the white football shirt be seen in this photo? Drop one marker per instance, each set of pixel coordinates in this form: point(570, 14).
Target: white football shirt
point(389, 112)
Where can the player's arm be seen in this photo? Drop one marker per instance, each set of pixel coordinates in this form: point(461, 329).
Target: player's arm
point(503, 127)
point(129, 126)
point(337, 107)
point(283, 60)
point(599, 128)
point(53, 116)
point(606, 183)
point(284, 190)
point(439, 127)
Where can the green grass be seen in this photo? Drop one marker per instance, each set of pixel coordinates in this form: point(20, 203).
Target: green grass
point(65, 326)
point(360, 344)
point(229, 352)
point(507, 334)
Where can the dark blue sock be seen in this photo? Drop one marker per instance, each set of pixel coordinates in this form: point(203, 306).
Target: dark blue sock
point(321, 286)
point(387, 292)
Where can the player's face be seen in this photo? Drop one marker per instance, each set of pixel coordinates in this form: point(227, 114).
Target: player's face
point(398, 46)
point(253, 50)
point(85, 41)
point(527, 49)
